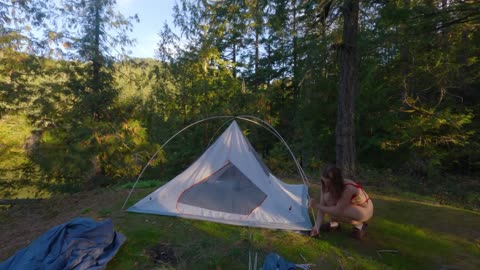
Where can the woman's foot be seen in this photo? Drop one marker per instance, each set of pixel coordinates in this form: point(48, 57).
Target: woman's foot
point(360, 233)
point(325, 227)
point(314, 233)
point(328, 227)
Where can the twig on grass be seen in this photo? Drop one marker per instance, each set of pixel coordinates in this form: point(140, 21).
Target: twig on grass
point(303, 258)
point(379, 252)
point(341, 264)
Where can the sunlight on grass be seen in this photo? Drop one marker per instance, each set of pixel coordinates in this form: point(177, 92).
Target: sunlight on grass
point(425, 202)
point(423, 245)
point(403, 234)
point(132, 254)
point(217, 230)
point(404, 237)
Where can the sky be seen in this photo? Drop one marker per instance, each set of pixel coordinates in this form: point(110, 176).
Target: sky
point(152, 14)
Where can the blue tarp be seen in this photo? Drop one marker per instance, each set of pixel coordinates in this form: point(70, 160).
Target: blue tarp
point(274, 261)
point(78, 244)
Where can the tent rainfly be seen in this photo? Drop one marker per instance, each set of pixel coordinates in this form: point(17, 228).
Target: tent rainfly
point(230, 184)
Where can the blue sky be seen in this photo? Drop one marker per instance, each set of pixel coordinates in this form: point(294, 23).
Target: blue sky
point(152, 14)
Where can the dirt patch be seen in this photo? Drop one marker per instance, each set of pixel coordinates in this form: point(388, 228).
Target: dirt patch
point(162, 254)
point(22, 224)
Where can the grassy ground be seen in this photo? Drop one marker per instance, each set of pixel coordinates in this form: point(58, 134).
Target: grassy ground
point(404, 234)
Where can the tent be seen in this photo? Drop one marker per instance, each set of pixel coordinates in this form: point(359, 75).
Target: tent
point(229, 183)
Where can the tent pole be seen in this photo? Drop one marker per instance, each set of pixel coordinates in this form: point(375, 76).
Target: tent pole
point(161, 147)
point(260, 122)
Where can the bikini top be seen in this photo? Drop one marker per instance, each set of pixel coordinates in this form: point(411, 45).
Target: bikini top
point(360, 197)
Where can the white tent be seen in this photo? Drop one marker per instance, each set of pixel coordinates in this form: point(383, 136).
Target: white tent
point(230, 184)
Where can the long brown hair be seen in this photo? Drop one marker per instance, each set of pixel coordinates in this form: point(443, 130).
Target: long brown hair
point(336, 186)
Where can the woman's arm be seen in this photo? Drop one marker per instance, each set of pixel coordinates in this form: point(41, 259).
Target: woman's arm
point(316, 204)
point(342, 203)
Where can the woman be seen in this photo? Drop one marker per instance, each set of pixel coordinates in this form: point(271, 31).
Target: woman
point(344, 201)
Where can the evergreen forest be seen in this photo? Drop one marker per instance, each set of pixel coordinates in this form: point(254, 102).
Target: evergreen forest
point(386, 89)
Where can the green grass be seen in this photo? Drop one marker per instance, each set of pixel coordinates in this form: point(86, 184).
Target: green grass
point(404, 234)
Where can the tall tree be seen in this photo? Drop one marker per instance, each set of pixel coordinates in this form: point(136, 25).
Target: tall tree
point(345, 129)
point(20, 52)
point(93, 28)
point(90, 30)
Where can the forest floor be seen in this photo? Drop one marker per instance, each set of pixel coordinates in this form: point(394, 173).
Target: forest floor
point(404, 234)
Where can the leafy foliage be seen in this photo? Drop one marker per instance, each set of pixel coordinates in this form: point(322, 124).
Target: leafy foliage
point(97, 119)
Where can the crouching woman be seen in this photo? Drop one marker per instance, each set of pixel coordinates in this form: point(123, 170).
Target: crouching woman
point(344, 201)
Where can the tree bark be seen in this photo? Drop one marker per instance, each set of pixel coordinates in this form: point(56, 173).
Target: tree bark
point(345, 129)
point(96, 59)
point(257, 45)
point(234, 58)
point(404, 60)
point(295, 55)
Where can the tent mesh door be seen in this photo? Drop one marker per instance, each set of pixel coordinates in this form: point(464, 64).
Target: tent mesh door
point(227, 190)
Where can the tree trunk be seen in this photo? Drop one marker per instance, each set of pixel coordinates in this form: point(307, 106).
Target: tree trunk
point(295, 54)
point(234, 58)
point(404, 60)
point(257, 55)
point(345, 129)
point(257, 45)
point(96, 60)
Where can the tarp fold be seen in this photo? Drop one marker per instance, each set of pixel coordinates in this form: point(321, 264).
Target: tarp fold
point(78, 244)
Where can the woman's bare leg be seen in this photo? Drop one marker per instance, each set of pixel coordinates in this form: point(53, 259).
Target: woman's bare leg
point(345, 220)
point(357, 215)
